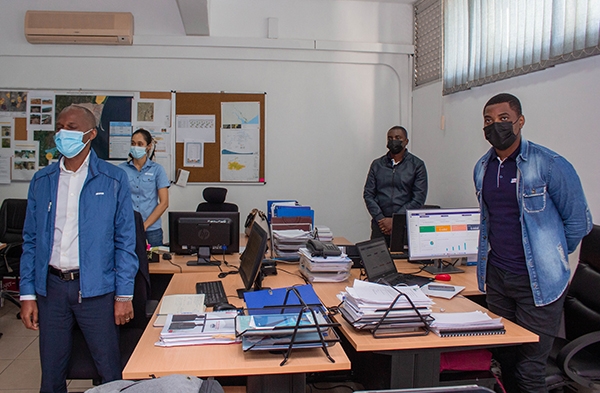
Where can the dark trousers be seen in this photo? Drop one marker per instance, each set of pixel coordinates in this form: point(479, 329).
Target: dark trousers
point(524, 366)
point(376, 232)
point(58, 312)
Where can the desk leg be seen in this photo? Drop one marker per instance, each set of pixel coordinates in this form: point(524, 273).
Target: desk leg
point(284, 383)
point(414, 369)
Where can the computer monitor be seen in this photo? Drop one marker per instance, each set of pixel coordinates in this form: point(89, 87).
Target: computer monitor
point(442, 233)
point(251, 260)
point(204, 233)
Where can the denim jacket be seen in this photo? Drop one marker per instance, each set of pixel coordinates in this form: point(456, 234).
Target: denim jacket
point(554, 217)
point(107, 259)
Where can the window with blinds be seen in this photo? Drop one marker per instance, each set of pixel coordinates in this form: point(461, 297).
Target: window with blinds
point(489, 40)
point(428, 41)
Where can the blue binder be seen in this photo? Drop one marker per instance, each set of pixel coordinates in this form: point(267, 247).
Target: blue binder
point(270, 301)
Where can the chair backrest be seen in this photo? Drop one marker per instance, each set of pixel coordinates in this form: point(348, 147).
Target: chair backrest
point(215, 201)
point(582, 304)
point(12, 220)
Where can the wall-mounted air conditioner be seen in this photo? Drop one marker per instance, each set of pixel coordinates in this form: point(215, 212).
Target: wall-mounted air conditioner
point(65, 27)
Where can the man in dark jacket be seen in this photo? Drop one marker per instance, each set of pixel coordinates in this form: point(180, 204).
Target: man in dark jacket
point(396, 182)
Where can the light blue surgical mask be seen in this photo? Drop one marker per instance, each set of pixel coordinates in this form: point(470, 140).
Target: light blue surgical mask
point(70, 143)
point(137, 151)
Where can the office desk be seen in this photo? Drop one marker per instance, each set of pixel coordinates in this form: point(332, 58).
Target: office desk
point(262, 368)
point(415, 361)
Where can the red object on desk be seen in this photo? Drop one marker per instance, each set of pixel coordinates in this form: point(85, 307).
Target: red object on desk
point(443, 277)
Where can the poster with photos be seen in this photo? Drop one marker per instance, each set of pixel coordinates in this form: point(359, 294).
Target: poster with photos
point(40, 110)
point(25, 160)
point(13, 102)
point(6, 133)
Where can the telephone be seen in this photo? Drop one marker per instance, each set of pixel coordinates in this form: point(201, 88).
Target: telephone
point(322, 249)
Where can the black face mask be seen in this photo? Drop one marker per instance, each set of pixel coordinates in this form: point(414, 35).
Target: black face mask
point(500, 135)
point(395, 146)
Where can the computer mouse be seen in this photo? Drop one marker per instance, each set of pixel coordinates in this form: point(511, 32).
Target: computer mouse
point(166, 256)
point(224, 307)
point(443, 277)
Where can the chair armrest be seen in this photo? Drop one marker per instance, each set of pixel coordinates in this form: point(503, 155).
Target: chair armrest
point(570, 350)
point(151, 307)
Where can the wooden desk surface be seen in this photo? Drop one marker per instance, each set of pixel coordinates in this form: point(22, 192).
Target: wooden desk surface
point(223, 360)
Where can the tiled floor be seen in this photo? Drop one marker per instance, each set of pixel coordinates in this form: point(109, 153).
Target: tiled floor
point(20, 365)
point(19, 356)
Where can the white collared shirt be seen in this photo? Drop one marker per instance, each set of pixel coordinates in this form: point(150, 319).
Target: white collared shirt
point(65, 249)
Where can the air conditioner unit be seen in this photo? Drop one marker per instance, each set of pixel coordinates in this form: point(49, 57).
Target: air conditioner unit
point(65, 27)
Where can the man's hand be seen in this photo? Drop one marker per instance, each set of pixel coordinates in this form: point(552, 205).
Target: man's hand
point(385, 225)
point(123, 312)
point(29, 314)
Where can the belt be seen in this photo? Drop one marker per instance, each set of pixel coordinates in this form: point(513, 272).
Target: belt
point(69, 275)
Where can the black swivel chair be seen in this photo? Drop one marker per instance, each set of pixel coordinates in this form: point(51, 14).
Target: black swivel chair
point(12, 219)
point(81, 365)
point(215, 201)
point(577, 357)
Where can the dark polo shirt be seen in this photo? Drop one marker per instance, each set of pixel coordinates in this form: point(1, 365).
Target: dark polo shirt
point(500, 197)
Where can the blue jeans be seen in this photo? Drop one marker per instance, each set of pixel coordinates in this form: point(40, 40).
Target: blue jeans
point(58, 312)
point(524, 366)
point(155, 237)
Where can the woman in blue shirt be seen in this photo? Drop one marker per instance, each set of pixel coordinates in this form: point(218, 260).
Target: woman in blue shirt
point(149, 184)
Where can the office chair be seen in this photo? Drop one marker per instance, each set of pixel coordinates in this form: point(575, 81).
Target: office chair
point(81, 364)
point(215, 201)
point(12, 219)
point(577, 357)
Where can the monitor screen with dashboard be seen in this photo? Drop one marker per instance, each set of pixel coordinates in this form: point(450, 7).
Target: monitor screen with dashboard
point(204, 233)
point(434, 234)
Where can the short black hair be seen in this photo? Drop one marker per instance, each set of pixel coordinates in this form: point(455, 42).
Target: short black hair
point(399, 128)
point(513, 102)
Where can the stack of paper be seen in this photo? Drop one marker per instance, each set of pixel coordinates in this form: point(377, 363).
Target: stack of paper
point(365, 304)
point(323, 233)
point(324, 269)
point(189, 329)
point(473, 323)
point(287, 243)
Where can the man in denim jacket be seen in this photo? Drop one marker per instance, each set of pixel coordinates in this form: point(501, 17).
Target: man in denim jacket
point(533, 214)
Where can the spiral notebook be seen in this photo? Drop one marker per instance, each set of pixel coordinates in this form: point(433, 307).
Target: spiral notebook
point(467, 332)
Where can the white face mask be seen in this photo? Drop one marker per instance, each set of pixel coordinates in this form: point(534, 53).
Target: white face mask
point(70, 143)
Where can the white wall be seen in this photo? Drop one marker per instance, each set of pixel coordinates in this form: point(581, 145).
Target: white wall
point(327, 110)
point(561, 110)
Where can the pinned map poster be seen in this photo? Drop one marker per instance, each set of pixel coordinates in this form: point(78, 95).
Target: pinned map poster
point(240, 141)
point(240, 154)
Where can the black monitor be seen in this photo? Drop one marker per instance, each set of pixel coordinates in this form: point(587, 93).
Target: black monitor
point(204, 233)
point(251, 260)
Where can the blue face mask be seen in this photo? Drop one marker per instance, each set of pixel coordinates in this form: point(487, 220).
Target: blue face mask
point(137, 151)
point(70, 143)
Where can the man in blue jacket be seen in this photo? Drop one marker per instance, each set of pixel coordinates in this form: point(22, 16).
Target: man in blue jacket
point(396, 182)
point(533, 215)
point(78, 261)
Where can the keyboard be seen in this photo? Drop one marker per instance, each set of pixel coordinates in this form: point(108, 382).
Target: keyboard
point(213, 291)
point(399, 255)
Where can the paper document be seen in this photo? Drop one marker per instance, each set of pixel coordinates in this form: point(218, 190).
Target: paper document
point(179, 304)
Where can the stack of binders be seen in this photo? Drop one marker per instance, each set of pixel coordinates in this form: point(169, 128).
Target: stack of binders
point(324, 269)
point(386, 311)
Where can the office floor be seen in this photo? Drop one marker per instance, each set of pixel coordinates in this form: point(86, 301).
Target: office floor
point(20, 362)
